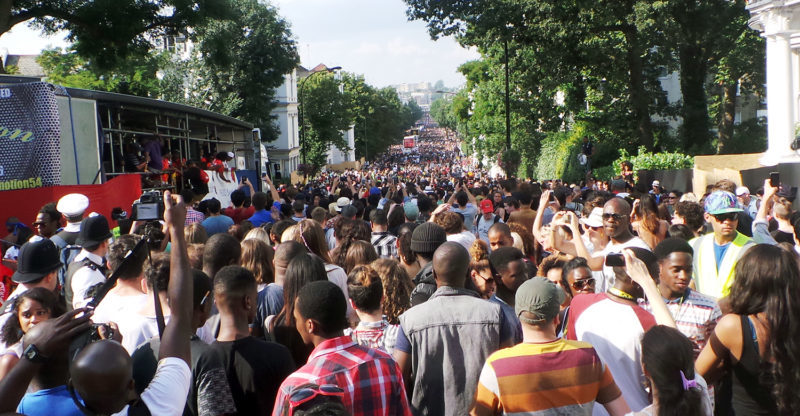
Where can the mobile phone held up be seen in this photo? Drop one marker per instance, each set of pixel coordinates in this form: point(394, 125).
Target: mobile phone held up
point(615, 260)
point(774, 179)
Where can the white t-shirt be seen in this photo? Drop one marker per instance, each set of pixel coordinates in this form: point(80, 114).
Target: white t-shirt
point(602, 285)
point(167, 392)
point(465, 238)
point(615, 331)
point(114, 307)
point(137, 329)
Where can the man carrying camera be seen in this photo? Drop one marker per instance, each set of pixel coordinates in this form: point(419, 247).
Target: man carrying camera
point(101, 372)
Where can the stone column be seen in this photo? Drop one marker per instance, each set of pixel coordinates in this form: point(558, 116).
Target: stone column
point(780, 100)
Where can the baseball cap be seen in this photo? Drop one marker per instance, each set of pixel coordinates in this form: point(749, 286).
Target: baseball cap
point(540, 297)
point(742, 190)
point(595, 218)
point(349, 211)
point(411, 210)
point(341, 203)
point(36, 259)
point(486, 206)
point(721, 202)
point(374, 190)
point(656, 183)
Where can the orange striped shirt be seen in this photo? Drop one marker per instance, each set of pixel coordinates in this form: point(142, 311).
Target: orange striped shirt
point(538, 378)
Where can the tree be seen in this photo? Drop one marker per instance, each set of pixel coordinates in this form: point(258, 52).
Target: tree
point(106, 32)
point(243, 59)
point(137, 76)
point(325, 114)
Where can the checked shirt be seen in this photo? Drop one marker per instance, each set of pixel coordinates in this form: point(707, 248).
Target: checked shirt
point(371, 380)
point(385, 244)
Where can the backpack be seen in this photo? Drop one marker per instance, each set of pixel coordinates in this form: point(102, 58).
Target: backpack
point(68, 254)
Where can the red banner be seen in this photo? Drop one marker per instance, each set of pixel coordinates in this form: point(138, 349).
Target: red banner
point(118, 192)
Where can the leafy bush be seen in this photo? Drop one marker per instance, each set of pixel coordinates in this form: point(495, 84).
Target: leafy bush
point(653, 161)
point(558, 158)
point(749, 136)
point(604, 173)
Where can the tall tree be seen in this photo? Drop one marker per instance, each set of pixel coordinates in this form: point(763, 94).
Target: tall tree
point(108, 31)
point(325, 114)
point(244, 58)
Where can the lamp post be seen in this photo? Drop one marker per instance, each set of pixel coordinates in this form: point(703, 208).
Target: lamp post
point(303, 110)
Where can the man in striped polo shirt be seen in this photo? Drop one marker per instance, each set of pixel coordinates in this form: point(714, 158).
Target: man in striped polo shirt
point(695, 314)
point(545, 374)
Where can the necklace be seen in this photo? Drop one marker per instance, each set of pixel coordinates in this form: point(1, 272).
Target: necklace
point(620, 294)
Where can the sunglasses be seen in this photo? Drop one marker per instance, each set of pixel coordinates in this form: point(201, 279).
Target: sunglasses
point(729, 216)
point(583, 284)
point(616, 217)
point(306, 394)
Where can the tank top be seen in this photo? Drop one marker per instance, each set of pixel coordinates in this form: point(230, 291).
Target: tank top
point(751, 396)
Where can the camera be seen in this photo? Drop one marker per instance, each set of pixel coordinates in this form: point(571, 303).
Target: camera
point(615, 260)
point(149, 206)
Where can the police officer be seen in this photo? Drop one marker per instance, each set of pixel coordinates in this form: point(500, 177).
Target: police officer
point(72, 206)
point(37, 266)
point(88, 268)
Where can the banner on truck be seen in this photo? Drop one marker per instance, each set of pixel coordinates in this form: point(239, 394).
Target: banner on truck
point(30, 137)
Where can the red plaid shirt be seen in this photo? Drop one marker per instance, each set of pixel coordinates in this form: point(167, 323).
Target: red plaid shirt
point(193, 216)
point(372, 381)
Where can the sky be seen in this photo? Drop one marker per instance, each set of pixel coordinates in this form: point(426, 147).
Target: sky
point(369, 37)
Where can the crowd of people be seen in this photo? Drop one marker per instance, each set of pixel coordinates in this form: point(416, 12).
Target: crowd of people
point(416, 285)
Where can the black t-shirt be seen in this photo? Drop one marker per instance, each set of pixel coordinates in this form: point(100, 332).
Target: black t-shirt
point(209, 394)
point(255, 369)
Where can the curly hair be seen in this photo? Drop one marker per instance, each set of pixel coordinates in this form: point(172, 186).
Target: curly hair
point(11, 332)
point(768, 281)
point(350, 231)
point(528, 241)
point(404, 251)
point(450, 221)
point(397, 287)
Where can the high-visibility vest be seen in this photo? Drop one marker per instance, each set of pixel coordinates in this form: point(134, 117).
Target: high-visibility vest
point(708, 278)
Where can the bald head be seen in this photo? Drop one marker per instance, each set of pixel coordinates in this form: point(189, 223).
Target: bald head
point(102, 375)
point(450, 264)
point(619, 205)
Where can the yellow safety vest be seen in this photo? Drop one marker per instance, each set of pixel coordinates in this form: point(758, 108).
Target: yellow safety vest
point(709, 279)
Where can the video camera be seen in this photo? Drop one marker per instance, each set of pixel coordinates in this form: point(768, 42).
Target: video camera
point(149, 206)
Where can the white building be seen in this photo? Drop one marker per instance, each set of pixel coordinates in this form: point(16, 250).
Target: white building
point(775, 20)
point(285, 151)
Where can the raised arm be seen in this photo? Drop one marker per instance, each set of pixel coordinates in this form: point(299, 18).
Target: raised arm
point(637, 270)
point(537, 222)
point(276, 197)
point(175, 341)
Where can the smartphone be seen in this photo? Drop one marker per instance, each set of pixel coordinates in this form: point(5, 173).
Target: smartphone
point(615, 260)
point(774, 179)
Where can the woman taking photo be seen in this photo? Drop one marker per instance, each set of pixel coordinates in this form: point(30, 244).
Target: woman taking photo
point(758, 343)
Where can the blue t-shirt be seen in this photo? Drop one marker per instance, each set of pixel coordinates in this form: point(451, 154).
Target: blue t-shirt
point(719, 253)
point(469, 212)
point(55, 401)
point(263, 216)
point(217, 224)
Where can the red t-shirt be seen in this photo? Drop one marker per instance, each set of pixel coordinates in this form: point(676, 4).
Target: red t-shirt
point(239, 214)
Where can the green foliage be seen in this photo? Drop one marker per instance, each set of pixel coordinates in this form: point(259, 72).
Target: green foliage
point(109, 32)
point(70, 69)
point(593, 62)
point(654, 161)
point(748, 137)
point(325, 113)
point(604, 173)
point(558, 157)
point(11, 69)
